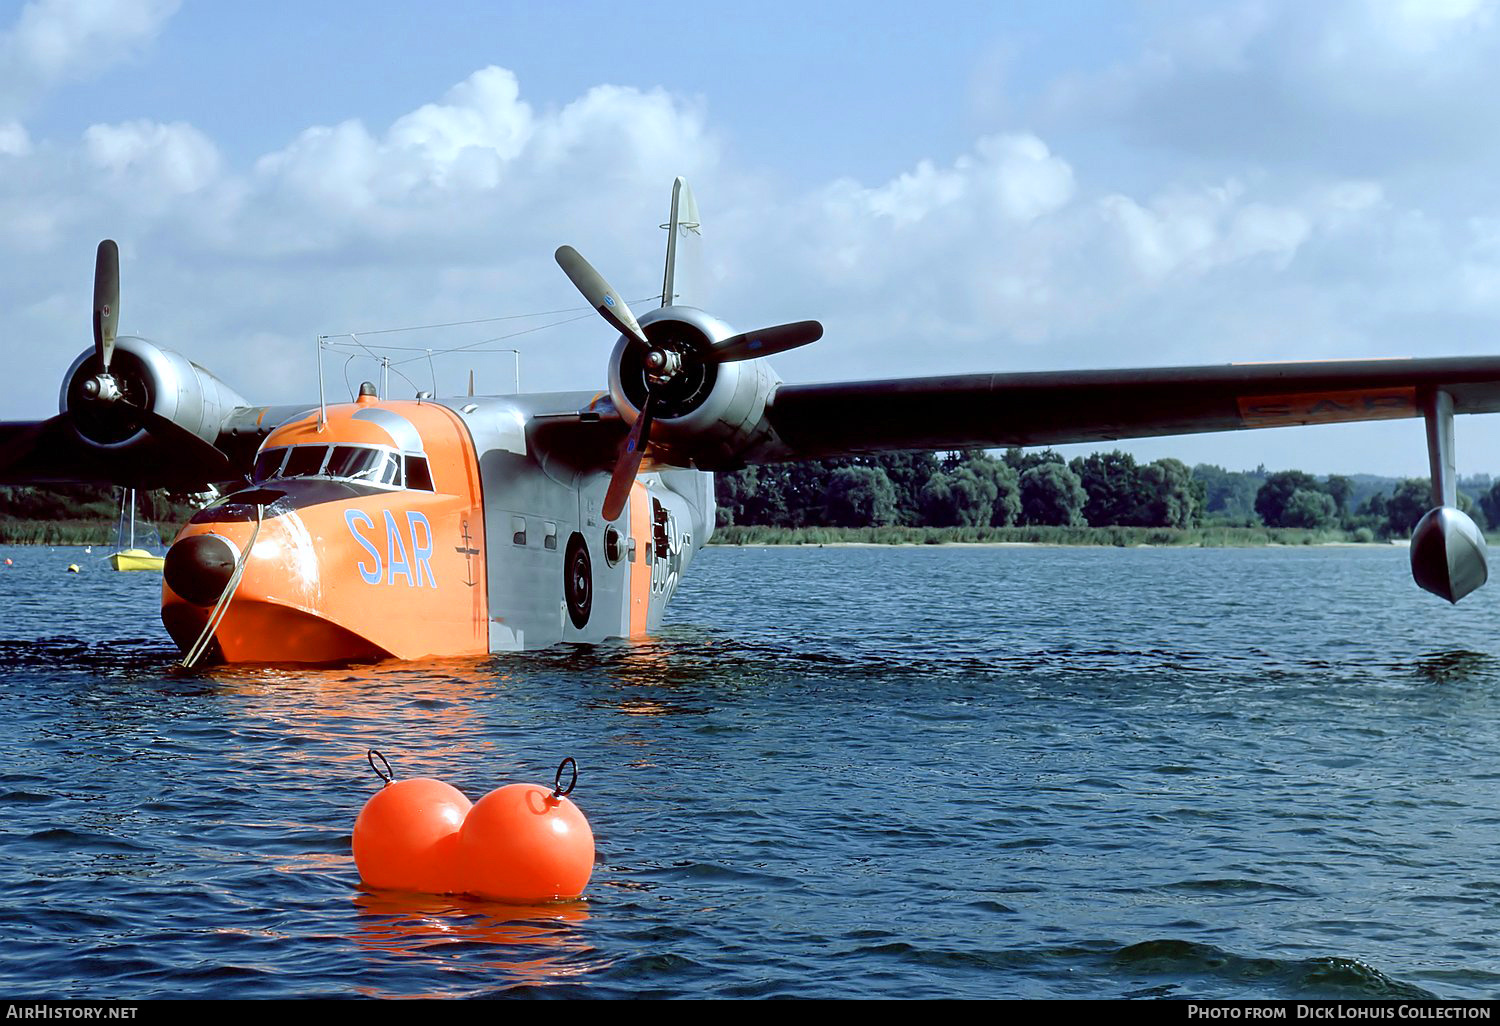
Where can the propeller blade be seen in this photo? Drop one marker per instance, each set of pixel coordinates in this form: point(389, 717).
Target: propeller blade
point(599, 293)
point(106, 300)
point(766, 341)
point(629, 464)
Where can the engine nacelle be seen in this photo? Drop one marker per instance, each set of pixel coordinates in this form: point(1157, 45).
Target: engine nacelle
point(709, 413)
point(148, 377)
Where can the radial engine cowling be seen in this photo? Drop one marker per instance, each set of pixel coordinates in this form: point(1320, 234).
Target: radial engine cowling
point(148, 377)
point(707, 414)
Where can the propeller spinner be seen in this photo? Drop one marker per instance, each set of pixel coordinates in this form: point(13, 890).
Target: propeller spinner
point(664, 364)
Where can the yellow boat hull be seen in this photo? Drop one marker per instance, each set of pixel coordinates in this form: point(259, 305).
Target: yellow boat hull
point(135, 559)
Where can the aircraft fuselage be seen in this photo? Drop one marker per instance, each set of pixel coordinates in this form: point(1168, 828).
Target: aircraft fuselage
point(428, 528)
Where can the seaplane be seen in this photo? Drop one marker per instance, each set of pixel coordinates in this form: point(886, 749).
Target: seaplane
point(405, 528)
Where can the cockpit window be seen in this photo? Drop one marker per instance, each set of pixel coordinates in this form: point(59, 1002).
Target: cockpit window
point(418, 474)
point(360, 463)
point(304, 461)
point(366, 464)
point(268, 464)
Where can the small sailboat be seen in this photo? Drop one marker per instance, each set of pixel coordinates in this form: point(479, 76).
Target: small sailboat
point(129, 556)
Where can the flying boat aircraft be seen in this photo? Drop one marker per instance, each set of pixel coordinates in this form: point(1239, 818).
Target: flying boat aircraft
point(421, 527)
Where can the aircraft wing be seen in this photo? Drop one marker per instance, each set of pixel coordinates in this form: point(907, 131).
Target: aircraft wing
point(52, 452)
point(1053, 408)
point(46, 451)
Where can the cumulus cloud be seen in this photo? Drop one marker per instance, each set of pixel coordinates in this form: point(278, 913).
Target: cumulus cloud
point(1028, 249)
point(455, 170)
point(452, 210)
point(1345, 86)
point(55, 41)
point(1008, 178)
point(1195, 232)
point(14, 141)
point(167, 159)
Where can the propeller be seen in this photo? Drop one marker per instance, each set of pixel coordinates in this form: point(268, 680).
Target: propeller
point(125, 400)
point(598, 292)
point(623, 476)
point(663, 364)
point(767, 341)
point(106, 319)
point(106, 301)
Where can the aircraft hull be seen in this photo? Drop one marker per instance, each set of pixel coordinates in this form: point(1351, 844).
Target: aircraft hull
point(495, 553)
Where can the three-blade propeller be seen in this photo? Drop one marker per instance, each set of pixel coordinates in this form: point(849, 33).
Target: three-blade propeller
point(664, 364)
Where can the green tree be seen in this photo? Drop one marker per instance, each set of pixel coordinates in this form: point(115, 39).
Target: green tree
point(1169, 496)
point(1271, 500)
point(1489, 501)
point(1339, 488)
point(958, 498)
point(1112, 482)
point(1309, 508)
point(1007, 505)
point(908, 472)
point(859, 497)
point(1228, 496)
point(1052, 494)
point(1411, 499)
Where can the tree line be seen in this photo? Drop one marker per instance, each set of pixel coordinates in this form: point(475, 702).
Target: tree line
point(971, 488)
point(975, 488)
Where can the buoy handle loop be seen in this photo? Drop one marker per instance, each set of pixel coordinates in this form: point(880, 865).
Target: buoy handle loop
point(558, 791)
point(388, 776)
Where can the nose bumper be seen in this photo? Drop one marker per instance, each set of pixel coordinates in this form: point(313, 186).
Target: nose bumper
point(278, 612)
point(198, 567)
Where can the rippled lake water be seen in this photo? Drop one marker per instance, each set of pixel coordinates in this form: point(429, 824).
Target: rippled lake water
point(842, 772)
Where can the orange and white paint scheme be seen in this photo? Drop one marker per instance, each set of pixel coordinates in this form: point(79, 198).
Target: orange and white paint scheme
point(380, 531)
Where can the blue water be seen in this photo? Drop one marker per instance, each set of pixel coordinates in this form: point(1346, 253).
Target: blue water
point(843, 772)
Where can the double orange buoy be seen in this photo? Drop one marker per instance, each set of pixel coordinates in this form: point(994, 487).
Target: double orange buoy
point(521, 844)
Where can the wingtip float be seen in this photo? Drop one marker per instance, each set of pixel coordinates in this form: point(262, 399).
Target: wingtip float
point(521, 844)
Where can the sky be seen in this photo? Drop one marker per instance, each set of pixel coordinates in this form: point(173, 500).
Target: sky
point(949, 187)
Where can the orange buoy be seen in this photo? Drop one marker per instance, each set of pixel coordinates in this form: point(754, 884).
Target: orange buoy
point(406, 836)
point(520, 844)
point(524, 844)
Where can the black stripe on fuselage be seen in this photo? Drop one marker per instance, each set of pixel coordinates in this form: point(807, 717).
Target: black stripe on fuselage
point(282, 497)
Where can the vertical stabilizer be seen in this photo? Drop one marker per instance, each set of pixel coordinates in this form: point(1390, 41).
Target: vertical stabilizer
point(683, 224)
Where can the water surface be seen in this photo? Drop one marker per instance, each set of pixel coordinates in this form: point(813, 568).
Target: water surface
point(842, 772)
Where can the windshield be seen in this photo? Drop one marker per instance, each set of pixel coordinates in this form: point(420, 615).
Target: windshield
point(367, 464)
point(358, 463)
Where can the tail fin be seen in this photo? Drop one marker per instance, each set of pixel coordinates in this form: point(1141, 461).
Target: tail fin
point(683, 223)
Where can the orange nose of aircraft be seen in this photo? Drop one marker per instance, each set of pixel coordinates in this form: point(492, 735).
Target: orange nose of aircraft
point(279, 610)
point(362, 539)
